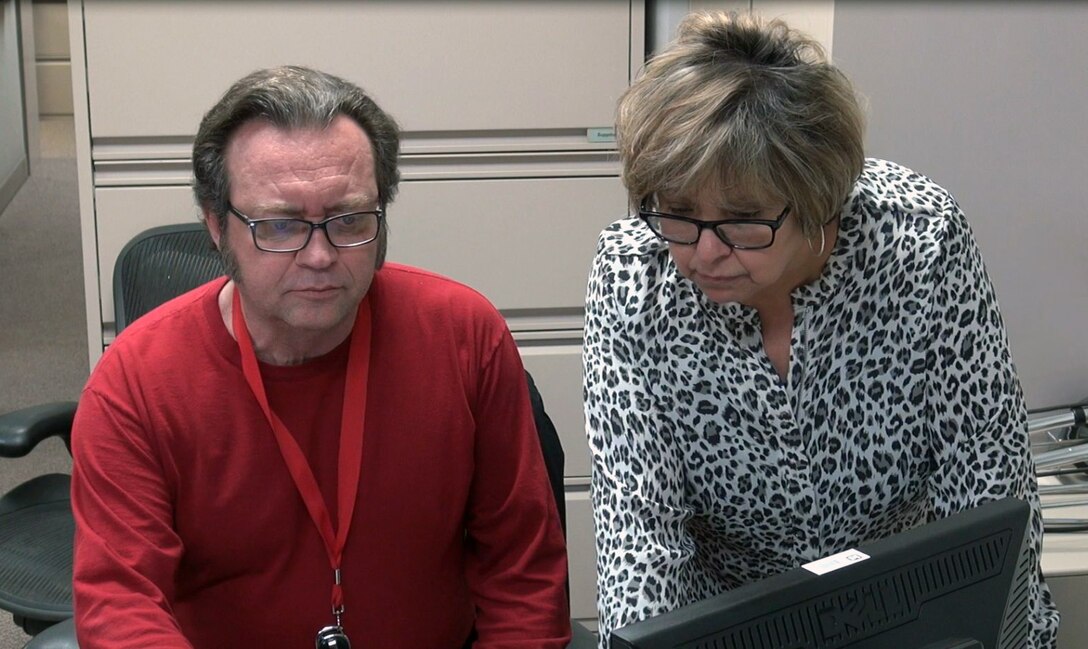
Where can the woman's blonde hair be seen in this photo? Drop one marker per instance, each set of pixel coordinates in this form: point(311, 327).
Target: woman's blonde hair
point(736, 101)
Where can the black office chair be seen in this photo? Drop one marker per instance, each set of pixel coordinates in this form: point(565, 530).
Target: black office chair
point(61, 635)
point(554, 462)
point(36, 526)
point(159, 265)
point(36, 564)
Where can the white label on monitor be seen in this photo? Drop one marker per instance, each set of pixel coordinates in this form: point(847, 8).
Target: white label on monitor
point(835, 561)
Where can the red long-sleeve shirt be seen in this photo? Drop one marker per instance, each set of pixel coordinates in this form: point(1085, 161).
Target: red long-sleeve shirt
point(191, 533)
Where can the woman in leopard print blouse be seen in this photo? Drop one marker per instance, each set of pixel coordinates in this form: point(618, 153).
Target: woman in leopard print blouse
point(790, 350)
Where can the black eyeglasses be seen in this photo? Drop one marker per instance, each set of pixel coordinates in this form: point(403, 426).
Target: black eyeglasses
point(291, 235)
point(741, 234)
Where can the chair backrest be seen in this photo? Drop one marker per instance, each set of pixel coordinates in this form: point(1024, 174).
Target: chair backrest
point(551, 447)
point(160, 264)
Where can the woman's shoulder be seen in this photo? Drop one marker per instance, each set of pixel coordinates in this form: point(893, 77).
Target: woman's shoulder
point(628, 237)
point(898, 221)
point(888, 186)
point(632, 272)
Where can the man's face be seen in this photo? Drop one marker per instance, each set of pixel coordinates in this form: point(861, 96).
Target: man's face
point(308, 174)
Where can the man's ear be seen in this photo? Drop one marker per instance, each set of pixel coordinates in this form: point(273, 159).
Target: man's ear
point(211, 221)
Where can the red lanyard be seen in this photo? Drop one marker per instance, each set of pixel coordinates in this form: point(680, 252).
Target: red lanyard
point(351, 438)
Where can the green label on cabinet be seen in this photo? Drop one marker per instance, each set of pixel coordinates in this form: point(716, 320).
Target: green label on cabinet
point(602, 134)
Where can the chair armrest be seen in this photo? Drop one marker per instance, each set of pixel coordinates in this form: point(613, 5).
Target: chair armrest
point(581, 637)
point(22, 430)
point(61, 635)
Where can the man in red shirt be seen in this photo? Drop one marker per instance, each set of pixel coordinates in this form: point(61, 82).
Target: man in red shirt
point(320, 444)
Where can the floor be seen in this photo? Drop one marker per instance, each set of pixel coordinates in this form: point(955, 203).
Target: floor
point(43, 343)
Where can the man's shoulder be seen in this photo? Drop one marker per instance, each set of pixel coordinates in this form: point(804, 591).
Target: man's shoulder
point(395, 272)
point(171, 327)
point(409, 287)
point(432, 311)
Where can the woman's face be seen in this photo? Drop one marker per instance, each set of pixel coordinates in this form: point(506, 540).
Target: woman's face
point(754, 278)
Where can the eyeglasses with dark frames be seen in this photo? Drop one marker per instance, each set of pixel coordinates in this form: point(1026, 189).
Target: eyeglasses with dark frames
point(281, 234)
point(740, 234)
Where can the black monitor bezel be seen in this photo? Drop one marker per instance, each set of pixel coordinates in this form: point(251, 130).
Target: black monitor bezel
point(702, 624)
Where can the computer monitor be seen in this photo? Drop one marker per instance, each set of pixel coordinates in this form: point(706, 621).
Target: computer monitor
point(958, 583)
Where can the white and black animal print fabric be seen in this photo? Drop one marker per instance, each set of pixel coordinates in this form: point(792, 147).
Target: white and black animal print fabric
point(901, 405)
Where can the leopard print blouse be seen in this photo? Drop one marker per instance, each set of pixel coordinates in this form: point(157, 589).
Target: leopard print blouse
point(901, 405)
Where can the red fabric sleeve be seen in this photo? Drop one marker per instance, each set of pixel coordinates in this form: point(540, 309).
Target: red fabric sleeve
point(126, 550)
point(517, 565)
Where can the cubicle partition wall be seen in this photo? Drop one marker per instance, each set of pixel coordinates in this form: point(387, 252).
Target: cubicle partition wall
point(987, 98)
point(14, 152)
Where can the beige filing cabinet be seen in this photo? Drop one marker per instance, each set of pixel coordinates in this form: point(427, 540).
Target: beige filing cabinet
point(508, 164)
